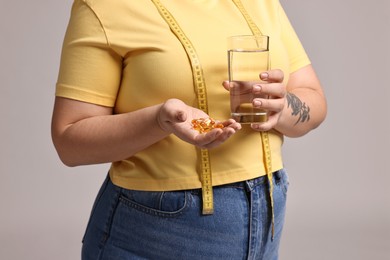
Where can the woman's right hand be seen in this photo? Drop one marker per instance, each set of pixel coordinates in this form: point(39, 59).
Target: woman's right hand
point(85, 133)
point(175, 117)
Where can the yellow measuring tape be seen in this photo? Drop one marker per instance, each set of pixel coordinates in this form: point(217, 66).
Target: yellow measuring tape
point(264, 135)
point(200, 88)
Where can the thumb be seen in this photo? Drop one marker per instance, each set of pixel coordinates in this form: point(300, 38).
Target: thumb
point(173, 111)
point(180, 116)
point(225, 84)
point(174, 116)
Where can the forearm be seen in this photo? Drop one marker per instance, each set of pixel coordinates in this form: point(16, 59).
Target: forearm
point(305, 104)
point(305, 109)
point(108, 138)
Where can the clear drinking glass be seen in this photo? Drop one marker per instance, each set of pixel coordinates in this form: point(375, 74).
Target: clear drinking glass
point(248, 56)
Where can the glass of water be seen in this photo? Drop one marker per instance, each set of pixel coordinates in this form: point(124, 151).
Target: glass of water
point(248, 56)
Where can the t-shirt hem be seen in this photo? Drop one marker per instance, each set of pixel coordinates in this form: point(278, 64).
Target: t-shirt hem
point(184, 183)
point(71, 92)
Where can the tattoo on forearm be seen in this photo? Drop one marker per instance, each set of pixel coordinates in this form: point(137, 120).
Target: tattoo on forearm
point(298, 107)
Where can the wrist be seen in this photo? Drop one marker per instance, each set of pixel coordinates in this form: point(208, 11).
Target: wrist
point(160, 118)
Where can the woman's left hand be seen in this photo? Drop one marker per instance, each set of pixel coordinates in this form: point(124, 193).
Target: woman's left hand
point(276, 91)
point(273, 87)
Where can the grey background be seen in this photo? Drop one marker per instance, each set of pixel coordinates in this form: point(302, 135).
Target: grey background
point(339, 195)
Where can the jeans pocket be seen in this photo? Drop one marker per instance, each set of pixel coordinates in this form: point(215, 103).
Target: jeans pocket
point(163, 204)
point(281, 180)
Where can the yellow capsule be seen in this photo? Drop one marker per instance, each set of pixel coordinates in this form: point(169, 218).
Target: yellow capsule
point(204, 125)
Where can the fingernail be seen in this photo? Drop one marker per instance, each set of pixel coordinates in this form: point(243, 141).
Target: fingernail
point(257, 103)
point(255, 126)
point(257, 88)
point(264, 76)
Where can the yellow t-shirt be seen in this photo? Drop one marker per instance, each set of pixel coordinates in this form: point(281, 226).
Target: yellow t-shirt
point(122, 54)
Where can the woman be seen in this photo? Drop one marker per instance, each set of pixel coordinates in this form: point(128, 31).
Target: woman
point(127, 94)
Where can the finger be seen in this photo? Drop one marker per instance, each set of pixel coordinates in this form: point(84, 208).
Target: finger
point(174, 111)
point(272, 76)
point(225, 84)
point(206, 138)
point(275, 105)
point(232, 123)
point(175, 116)
point(272, 89)
point(227, 133)
point(239, 86)
point(265, 126)
point(180, 116)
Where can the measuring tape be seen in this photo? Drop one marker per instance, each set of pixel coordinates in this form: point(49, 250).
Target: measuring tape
point(264, 135)
point(200, 89)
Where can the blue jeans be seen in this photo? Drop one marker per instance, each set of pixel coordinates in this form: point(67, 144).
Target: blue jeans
point(127, 224)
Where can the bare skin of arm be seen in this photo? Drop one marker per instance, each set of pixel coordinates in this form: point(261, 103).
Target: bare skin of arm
point(85, 133)
point(295, 109)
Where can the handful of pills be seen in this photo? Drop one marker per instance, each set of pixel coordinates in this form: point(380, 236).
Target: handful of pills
point(204, 125)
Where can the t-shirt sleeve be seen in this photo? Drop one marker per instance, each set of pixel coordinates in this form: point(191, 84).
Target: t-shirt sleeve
point(297, 54)
point(90, 70)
